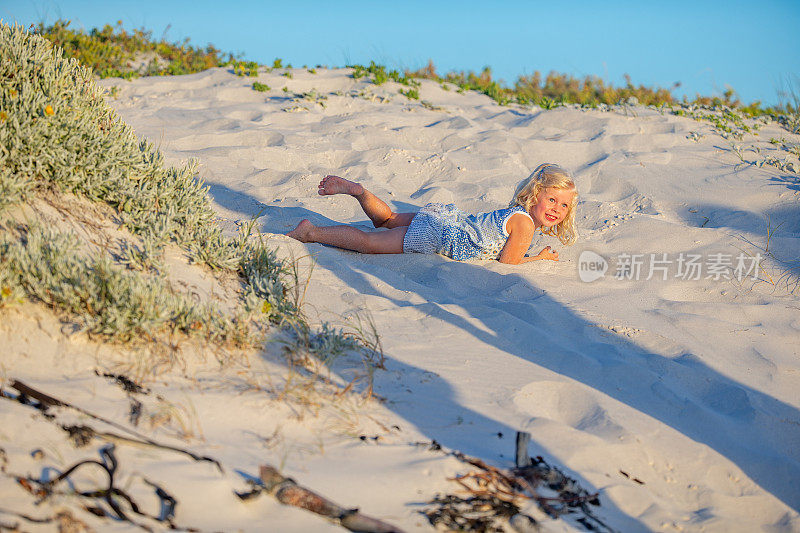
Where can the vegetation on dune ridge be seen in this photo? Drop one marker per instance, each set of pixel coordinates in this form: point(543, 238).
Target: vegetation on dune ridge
point(561, 88)
point(58, 135)
point(558, 89)
point(114, 52)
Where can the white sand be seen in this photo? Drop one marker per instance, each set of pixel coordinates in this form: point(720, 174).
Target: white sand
point(690, 386)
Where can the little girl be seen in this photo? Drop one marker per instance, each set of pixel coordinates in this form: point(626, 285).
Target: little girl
point(546, 201)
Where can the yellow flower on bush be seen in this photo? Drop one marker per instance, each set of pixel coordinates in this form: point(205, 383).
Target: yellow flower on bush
point(3, 116)
point(266, 307)
point(48, 110)
point(6, 292)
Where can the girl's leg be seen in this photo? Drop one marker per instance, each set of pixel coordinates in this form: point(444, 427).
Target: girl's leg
point(378, 212)
point(350, 238)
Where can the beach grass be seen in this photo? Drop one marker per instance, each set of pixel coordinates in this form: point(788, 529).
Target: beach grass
point(107, 300)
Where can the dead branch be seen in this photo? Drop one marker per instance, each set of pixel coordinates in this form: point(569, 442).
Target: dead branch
point(288, 492)
point(111, 495)
point(137, 438)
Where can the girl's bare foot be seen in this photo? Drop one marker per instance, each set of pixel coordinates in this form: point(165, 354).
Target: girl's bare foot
point(337, 185)
point(303, 231)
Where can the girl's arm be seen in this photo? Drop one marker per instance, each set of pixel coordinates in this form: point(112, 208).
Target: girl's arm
point(520, 234)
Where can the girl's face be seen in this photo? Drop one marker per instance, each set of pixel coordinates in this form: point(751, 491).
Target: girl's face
point(552, 206)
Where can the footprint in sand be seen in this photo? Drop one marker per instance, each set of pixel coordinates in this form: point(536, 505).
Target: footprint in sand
point(569, 404)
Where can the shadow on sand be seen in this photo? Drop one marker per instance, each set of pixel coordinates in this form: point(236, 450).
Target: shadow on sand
point(682, 392)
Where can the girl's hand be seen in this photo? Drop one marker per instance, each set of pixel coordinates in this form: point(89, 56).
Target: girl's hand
point(547, 253)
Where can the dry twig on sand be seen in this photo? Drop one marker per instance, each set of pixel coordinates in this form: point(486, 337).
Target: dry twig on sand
point(288, 492)
point(494, 496)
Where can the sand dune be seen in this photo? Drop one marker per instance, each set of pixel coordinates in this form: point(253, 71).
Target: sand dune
point(691, 384)
point(688, 385)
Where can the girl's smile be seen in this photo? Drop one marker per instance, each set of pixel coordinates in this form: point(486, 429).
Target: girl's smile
point(552, 205)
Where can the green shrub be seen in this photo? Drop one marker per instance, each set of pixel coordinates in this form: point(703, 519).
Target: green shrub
point(108, 51)
point(380, 75)
point(60, 134)
point(260, 87)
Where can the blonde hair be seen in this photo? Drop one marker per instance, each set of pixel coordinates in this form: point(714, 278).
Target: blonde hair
point(549, 176)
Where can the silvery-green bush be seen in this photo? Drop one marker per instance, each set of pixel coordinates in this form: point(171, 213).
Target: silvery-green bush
point(103, 298)
point(57, 132)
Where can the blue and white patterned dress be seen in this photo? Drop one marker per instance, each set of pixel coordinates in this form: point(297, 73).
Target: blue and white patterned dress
point(444, 229)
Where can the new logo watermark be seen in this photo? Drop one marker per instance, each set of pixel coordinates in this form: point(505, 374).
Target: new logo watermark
point(591, 266)
point(716, 266)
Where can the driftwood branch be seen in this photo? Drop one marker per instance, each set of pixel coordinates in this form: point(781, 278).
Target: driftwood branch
point(41, 397)
point(288, 492)
point(136, 438)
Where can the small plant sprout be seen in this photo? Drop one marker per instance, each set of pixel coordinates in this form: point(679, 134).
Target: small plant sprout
point(411, 94)
point(358, 72)
point(260, 87)
point(244, 68)
point(428, 105)
point(547, 103)
point(312, 96)
point(737, 149)
point(380, 77)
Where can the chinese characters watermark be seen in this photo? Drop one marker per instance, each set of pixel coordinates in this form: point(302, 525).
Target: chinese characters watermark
point(686, 266)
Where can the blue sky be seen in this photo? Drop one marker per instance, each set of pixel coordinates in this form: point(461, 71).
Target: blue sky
point(753, 47)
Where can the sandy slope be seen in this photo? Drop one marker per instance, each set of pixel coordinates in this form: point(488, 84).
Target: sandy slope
point(690, 386)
